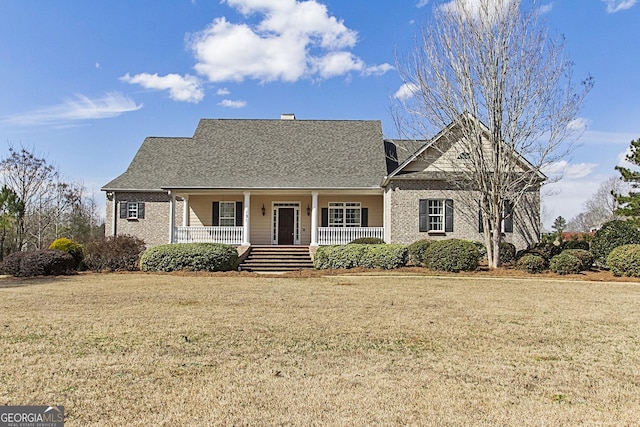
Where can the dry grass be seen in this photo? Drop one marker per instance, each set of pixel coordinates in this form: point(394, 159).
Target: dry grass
point(136, 349)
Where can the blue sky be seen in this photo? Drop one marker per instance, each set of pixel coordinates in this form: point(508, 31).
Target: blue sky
point(84, 82)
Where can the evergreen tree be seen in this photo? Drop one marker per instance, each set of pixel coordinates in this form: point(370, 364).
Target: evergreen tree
point(630, 204)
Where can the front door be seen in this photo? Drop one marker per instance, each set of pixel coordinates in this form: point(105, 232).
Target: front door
point(285, 226)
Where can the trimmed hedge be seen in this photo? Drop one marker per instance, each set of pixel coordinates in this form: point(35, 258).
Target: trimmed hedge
point(610, 236)
point(532, 263)
point(585, 257)
point(565, 263)
point(452, 255)
point(114, 253)
point(48, 262)
point(358, 255)
point(416, 251)
point(367, 241)
point(190, 256)
point(69, 246)
point(625, 261)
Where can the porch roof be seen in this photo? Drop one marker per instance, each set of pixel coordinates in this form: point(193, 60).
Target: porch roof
point(287, 154)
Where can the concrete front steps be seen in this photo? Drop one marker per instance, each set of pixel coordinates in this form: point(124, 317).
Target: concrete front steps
point(277, 258)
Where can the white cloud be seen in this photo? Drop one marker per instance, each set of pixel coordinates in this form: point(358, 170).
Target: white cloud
point(545, 8)
point(406, 91)
point(566, 197)
point(569, 171)
point(181, 88)
point(578, 124)
point(291, 40)
point(614, 6)
point(232, 104)
point(223, 91)
point(422, 3)
point(476, 7)
point(79, 108)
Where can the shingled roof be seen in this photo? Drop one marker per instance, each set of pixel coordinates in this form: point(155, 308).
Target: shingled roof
point(261, 154)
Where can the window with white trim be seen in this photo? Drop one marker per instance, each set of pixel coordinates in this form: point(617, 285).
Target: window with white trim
point(436, 215)
point(345, 214)
point(132, 210)
point(227, 214)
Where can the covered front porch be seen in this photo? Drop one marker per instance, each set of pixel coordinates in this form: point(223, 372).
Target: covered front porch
point(266, 217)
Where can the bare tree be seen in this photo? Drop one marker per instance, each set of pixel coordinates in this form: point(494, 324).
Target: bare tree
point(491, 71)
point(29, 176)
point(600, 207)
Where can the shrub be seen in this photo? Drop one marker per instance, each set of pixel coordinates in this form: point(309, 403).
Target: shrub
point(190, 256)
point(11, 263)
point(72, 248)
point(452, 255)
point(113, 253)
point(482, 249)
point(507, 253)
point(576, 244)
point(367, 241)
point(532, 263)
point(565, 263)
point(384, 256)
point(545, 249)
point(625, 261)
point(585, 257)
point(610, 236)
point(48, 262)
point(338, 256)
point(370, 256)
point(416, 251)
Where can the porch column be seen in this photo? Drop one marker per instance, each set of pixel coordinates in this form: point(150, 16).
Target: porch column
point(114, 213)
point(172, 215)
point(314, 218)
point(245, 223)
point(185, 210)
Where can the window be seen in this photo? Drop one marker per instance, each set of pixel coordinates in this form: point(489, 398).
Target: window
point(132, 210)
point(343, 214)
point(436, 215)
point(435, 212)
point(227, 214)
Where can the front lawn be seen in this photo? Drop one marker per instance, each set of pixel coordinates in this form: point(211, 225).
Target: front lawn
point(388, 349)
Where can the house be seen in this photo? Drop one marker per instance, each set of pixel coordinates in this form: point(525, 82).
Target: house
point(295, 182)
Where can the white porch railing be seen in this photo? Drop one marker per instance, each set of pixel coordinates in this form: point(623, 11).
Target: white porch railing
point(228, 235)
point(344, 235)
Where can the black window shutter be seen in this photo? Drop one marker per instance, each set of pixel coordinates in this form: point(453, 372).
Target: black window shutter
point(364, 217)
point(324, 222)
point(239, 214)
point(480, 224)
point(423, 217)
point(123, 209)
point(216, 214)
point(508, 216)
point(141, 210)
point(448, 215)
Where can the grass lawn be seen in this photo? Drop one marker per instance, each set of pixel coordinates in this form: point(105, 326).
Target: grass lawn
point(143, 349)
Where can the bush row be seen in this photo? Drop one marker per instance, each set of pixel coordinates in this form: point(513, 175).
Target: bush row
point(47, 262)
point(360, 255)
point(190, 256)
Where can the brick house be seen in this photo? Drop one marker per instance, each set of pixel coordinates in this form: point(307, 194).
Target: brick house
point(296, 182)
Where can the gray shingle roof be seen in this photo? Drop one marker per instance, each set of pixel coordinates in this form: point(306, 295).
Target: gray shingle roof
point(229, 153)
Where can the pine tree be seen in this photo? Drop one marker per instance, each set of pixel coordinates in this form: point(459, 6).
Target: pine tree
point(630, 205)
